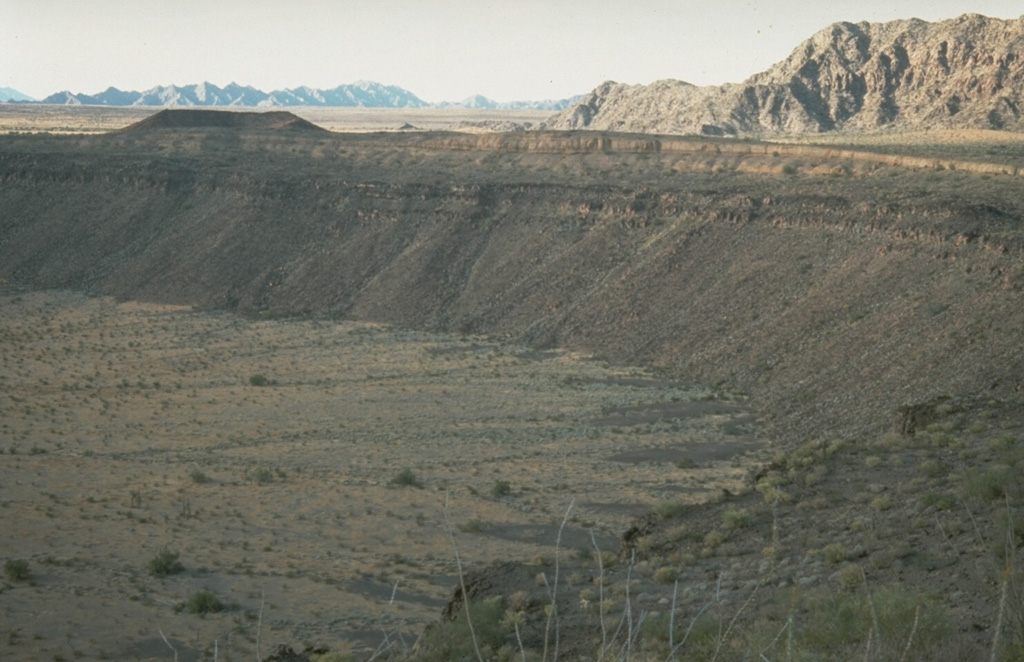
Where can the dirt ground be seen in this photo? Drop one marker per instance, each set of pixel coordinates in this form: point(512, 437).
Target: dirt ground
point(266, 454)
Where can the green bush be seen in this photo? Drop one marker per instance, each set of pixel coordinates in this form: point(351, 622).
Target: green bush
point(17, 570)
point(332, 656)
point(939, 501)
point(406, 478)
point(453, 641)
point(472, 526)
point(839, 624)
point(259, 380)
point(165, 563)
point(835, 552)
point(737, 518)
point(263, 475)
point(202, 602)
point(989, 485)
point(500, 489)
point(671, 509)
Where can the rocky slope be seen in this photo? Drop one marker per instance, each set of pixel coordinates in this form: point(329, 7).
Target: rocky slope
point(835, 289)
point(966, 72)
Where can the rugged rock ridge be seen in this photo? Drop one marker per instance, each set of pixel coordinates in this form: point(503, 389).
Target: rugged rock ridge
point(966, 72)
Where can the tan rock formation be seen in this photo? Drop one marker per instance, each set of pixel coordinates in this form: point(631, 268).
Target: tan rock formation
point(966, 72)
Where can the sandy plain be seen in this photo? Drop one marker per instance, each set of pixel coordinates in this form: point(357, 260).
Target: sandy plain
point(127, 429)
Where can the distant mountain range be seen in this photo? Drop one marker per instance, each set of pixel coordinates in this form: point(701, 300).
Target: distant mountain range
point(362, 94)
point(966, 72)
point(10, 94)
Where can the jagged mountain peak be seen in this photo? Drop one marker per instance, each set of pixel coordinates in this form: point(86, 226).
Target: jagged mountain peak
point(8, 94)
point(965, 72)
point(361, 93)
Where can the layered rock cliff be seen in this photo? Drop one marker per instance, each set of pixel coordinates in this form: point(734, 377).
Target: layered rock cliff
point(834, 289)
point(966, 72)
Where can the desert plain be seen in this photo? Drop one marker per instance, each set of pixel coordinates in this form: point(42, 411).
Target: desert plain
point(329, 482)
point(130, 428)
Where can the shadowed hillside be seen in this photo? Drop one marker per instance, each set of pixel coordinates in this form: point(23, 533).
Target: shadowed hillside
point(218, 119)
point(834, 285)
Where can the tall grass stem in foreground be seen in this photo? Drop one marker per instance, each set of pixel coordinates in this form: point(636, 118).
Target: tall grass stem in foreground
point(462, 578)
point(173, 649)
point(553, 591)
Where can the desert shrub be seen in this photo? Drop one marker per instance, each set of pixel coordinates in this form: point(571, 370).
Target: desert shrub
point(850, 577)
point(332, 656)
point(714, 538)
point(990, 484)
point(198, 477)
point(263, 475)
point(17, 570)
point(839, 625)
point(472, 526)
point(770, 487)
point(500, 489)
point(939, 501)
point(738, 518)
point(835, 552)
point(666, 574)
point(670, 509)
point(165, 563)
point(815, 475)
point(700, 636)
point(1002, 442)
point(453, 641)
point(202, 602)
point(258, 380)
point(1009, 536)
point(406, 478)
point(882, 503)
point(607, 559)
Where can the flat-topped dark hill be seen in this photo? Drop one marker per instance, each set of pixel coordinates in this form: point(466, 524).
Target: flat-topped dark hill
point(190, 118)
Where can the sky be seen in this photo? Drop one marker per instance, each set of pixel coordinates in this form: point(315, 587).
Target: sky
point(441, 50)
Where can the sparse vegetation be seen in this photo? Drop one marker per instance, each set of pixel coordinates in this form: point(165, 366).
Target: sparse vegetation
point(930, 505)
point(165, 563)
point(17, 570)
point(202, 603)
point(501, 489)
point(406, 478)
point(454, 640)
point(737, 518)
point(259, 379)
point(198, 477)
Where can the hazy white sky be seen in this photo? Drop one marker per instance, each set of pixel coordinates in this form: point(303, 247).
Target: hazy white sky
point(441, 50)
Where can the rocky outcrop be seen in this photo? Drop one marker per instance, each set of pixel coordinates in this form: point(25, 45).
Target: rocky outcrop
point(966, 72)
